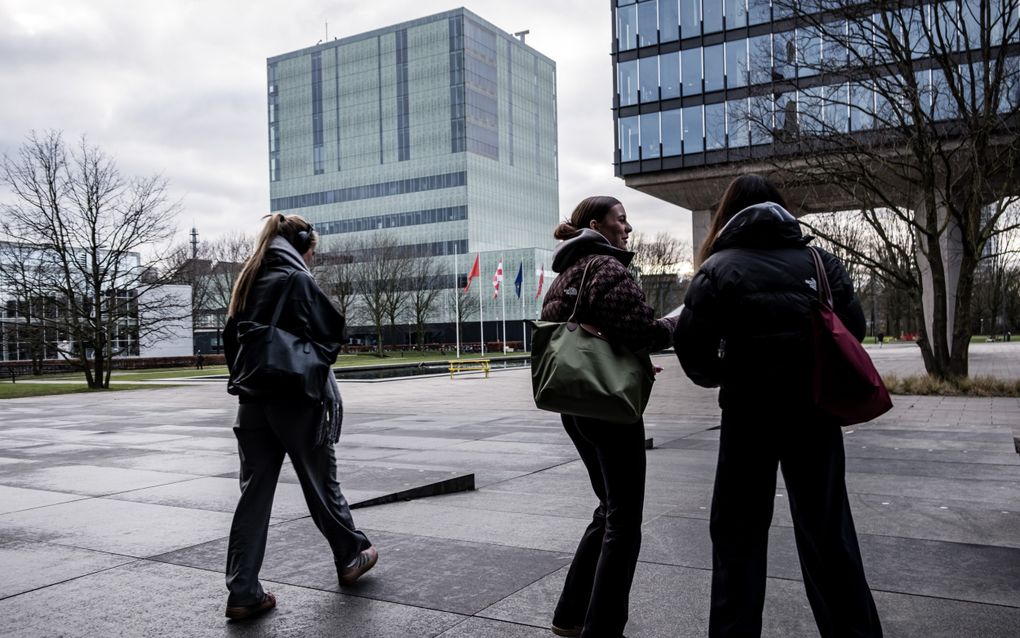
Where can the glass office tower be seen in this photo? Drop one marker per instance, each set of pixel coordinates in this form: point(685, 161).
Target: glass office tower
point(439, 134)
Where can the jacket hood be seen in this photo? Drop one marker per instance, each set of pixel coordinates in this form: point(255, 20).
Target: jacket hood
point(588, 242)
point(766, 225)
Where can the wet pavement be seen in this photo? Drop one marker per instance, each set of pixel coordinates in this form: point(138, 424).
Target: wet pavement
point(114, 511)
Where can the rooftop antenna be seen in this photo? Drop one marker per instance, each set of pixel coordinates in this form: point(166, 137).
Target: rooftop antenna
point(520, 35)
point(327, 29)
point(194, 243)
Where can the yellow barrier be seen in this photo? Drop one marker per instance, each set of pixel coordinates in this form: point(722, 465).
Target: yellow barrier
point(462, 365)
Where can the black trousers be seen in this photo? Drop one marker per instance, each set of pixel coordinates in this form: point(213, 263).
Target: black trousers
point(596, 594)
point(265, 432)
point(812, 460)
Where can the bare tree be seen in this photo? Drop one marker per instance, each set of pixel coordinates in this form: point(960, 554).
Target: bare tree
point(379, 265)
point(425, 283)
point(211, 268)
point(28, 327)
point(337, 276)
point(88, 222)
point(909, 108)
point(660, 262)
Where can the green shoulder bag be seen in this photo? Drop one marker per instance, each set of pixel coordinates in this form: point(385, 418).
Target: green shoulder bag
point(575, 370)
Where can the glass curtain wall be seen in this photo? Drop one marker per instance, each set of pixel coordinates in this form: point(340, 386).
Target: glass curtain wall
point(725, 75)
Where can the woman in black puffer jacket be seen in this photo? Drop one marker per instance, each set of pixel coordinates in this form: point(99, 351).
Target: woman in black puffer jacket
point(595, 597)
point(746, 329)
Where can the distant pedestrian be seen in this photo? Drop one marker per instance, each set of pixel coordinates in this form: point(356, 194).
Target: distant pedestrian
point(881, 339)
point(746, 328)
point(199, 360)
point(270, 424)
point(596, 593)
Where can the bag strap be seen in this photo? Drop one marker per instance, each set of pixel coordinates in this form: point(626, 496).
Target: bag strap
point(580, 289)
point(821, 279)
point(283, 298)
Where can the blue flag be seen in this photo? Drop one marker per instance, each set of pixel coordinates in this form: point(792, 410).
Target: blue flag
point(519, 280)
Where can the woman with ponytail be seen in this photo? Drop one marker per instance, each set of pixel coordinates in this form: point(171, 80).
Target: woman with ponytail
point(595, 597)
point(272, 424)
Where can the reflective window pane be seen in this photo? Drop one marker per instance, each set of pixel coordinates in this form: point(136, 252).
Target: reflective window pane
point(715, 68)
point(760, 63)
point(736, 63)
point(649, 73)
point(690, 18)
point(760, 119)
point(715, 126)
point(736, 13)
point(626, 27)
point(648, 24)
point(628, 82)
point(671, 132)
point(649, 135)
point(669, 21)
point(693, 130)
point(809, 48)
point(785, 55)
point(669, 75)
point(737, 123)
point(690, 71)
point(712, 14)
point(629, 139)
point(758, 11)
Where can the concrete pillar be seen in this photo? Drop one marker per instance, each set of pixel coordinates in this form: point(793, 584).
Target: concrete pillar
point(951, 246)
point(700, 220)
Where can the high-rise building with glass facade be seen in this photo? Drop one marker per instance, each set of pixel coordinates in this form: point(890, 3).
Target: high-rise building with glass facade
point(438, 134)
point(707, 88)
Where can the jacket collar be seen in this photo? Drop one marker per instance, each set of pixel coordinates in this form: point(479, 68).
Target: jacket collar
point(587, 242)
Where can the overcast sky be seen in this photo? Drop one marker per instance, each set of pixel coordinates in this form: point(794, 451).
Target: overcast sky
point(179, 88)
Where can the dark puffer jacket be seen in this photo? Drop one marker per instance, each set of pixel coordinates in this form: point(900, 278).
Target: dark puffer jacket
point(746, 319)
point(612, 300)
point(307, 312)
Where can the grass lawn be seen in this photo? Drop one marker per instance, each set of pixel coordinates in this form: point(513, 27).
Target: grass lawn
point(18, 390)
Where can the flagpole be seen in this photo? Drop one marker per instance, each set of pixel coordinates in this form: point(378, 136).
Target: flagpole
point(524, 321)
point(481, 321)
point(456, 298)
point(502, 303)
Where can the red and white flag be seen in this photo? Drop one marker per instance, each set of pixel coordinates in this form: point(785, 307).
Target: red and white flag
point(497, 279)
point(476, 271)
point(541, 280)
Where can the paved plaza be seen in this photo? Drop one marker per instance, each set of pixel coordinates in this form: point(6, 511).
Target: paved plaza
point(114, 511)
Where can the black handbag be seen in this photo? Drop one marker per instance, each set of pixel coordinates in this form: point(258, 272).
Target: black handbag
point(576, 370)
point(274, 363)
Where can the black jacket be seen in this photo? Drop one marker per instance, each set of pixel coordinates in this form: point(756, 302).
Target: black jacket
point(307, 312)
point(746, 320)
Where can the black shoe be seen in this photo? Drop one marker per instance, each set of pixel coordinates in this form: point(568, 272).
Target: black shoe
point(249, 611)
point(363, 562)
point(561, 631)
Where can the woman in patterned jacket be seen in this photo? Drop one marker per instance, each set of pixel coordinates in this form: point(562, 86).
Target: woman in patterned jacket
point(595, 595)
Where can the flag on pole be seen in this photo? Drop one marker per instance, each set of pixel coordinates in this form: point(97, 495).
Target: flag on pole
point(475, 272)
point(541, 280)
point(497, 279)
point(519, 280)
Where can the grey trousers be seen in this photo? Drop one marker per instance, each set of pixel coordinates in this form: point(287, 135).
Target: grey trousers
point(265, 432)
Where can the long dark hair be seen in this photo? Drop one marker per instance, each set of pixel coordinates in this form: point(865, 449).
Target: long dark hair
point(591, 208)
point(744, 191)
point(287, 226)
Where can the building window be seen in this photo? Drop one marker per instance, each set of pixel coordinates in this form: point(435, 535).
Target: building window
point(715, 126)
point(403, 104)
point(669, 21)
point(690, 71)
point(626, 27)
point(627, 84)
point(736, 14)
point(715, 68)
point(694, 132)
point(669, 75)
point(758, 11)
point(649, 135)
point(648, 26)
point(649, 74)
point(759, 50)
point(712, 15)
point(737, 123)
point(690, 18)
point(318, 164)
point(736, 64)
point(629, 139)
point(671, 132)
